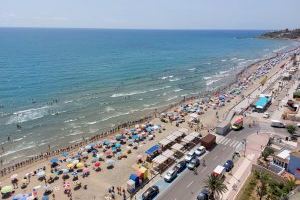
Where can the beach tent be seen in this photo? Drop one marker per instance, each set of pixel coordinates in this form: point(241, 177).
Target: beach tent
point(172, 138)
point(168, 153)
point(153, 150)
point(183, 130)
point(177, 147)
point(164, 142)
point(195, 134)
point(177, 134)
point(135, 178)
point(130, 185)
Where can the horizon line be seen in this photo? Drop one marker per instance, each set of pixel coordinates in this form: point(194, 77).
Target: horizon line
point(142, 29)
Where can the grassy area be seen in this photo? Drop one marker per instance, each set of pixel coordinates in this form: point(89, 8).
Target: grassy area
point(248, 189)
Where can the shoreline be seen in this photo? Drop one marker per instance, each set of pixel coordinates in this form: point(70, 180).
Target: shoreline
point(152, 114)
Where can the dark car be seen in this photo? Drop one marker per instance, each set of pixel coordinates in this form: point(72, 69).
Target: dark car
point(203, 195)
point(150, 193)
point(179, 167)
point(228, 165)
point(194, 163)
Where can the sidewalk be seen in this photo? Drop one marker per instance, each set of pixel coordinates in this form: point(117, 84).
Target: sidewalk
point(243, 167)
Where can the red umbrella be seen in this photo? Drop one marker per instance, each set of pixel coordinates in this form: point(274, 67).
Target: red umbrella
point(97, 164)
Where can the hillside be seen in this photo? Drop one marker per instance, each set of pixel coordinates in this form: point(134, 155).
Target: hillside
point(283, 34)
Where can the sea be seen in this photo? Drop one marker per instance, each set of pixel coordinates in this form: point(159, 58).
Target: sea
point(58, 86)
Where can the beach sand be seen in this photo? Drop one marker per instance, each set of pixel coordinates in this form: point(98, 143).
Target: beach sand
point(99, 182)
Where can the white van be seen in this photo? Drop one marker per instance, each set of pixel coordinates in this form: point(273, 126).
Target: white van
point(277, 124)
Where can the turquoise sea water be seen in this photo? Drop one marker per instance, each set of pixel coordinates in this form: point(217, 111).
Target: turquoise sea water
point(62, 84)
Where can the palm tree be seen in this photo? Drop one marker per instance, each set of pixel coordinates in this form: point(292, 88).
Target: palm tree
point(216, 185)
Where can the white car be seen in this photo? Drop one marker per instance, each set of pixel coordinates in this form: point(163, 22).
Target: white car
point(266, 115)
point(170, 176)
point(189, 156)
point(200, 151)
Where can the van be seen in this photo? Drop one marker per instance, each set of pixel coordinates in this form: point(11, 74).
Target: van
point(277, 124)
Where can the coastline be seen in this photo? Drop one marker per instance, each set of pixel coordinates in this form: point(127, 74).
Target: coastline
point(147, 117)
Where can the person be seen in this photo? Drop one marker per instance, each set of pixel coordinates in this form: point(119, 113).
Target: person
point(203, 162)
point(195, 171)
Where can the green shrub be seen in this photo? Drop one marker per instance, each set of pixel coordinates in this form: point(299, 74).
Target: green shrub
point(291, 129)
point(267, 151)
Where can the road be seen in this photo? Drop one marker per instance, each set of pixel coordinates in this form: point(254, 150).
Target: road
point(187, 185)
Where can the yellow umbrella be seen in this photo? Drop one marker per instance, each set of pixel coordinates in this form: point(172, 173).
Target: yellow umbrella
point(70, 165)
point(80, 165)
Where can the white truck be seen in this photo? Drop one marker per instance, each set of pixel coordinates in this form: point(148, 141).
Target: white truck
point(277, 124)
point(219, 171)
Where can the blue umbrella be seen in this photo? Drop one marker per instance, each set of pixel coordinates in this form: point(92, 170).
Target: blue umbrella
point(75, 173)
point(118, 145)
point(54, 160)
point(19, 197)
point(65, 154)
point(45, 197)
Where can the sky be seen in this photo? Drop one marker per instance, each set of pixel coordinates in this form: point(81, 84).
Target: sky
point(151, 14)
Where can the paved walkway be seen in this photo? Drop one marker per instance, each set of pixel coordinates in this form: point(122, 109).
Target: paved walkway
point(243, 167)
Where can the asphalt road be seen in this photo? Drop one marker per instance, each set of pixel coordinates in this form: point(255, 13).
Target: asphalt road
point(188, 184)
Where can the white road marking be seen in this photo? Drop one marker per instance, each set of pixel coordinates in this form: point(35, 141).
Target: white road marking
point(231, 144)
point(227, 141)
point(221, 140)
point(189, 184)
point(235, 144)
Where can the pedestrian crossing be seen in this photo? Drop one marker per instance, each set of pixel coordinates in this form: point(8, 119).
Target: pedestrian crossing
point(229, 142)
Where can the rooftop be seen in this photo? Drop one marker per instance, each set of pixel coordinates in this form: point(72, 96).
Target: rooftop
point(285, 154)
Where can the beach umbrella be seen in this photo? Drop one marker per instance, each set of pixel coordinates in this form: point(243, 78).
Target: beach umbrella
point(80, 165)
point(20, 197)
point(14, 176)
point(65, 154)
point(95, 159)
point(41, 173)
point(6, 189)
point(85, 170)
point(97, 164)
point(47, 187)
point(75, 173)
point(75, 162)
point(118, 145)
point(84, 153)
point(88, 147)
point(69, 160)
point(65, 171)
point(110, 162)
point(45, 197)
point(67, 185)
point(106, 142)
point(70, 165)
point(54, 160)
point(35, 188)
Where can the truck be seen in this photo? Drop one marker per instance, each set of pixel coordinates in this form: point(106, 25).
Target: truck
point(277, 124)
point(208, 141)
point(237, 124)
point(219, 171)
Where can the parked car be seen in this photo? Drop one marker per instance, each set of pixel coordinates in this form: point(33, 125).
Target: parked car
point(228, 165)
point(204, 194)
point(170, 176)
point(190, 156)
point(179, 167)
point(150, 193)
point(200, 151)
point(195, 162)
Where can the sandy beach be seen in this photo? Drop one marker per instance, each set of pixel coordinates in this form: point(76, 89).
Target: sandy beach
point(98, 182)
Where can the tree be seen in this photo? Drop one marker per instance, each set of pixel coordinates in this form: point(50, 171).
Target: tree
point(216, 186)
point(261, 189)
point(267, 151)
point(291, 129)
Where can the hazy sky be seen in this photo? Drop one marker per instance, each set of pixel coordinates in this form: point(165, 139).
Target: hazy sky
point(152, 14)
